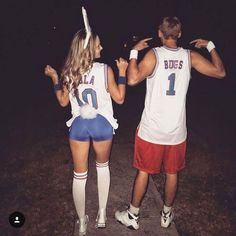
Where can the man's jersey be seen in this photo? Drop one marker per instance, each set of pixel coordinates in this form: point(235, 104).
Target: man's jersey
point(93, 90)
point(164, 116)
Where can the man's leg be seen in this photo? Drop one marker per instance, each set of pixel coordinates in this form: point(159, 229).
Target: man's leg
point(174, 161)
point(130, 217)
point(139, 188)
point(167, 214)
point(148, 157)
point(170, 189)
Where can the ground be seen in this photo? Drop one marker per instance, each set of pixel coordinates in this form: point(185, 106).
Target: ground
point(35, 150)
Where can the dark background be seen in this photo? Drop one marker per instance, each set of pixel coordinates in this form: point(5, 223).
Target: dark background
point(33, 135)
point(36, 33)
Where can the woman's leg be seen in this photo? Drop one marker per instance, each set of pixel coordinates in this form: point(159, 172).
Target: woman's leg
point(102, 150)
point(80, 152)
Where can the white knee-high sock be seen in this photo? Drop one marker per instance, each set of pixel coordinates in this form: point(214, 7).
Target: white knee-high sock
point(78, 192)
point(103, 183)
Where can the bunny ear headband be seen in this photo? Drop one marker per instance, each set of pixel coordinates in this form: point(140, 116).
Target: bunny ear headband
point(87, 27)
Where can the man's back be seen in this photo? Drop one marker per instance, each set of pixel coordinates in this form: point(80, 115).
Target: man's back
point(164, 118)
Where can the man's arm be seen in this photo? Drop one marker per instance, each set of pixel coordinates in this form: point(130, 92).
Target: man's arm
point(213, 68)
point(138, 72)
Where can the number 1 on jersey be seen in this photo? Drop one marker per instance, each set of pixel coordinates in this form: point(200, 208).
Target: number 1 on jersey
point(171, 90)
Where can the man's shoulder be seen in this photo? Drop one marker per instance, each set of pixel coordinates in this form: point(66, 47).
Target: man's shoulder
point(150, 54)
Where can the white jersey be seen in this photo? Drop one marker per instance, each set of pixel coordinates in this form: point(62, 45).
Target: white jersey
point(164, 116)
point(94, 91)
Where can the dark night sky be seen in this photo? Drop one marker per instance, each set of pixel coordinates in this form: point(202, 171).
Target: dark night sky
point(36, 33)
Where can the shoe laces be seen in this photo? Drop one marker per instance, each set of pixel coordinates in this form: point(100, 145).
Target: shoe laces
point(166, 214)
point(132, 216)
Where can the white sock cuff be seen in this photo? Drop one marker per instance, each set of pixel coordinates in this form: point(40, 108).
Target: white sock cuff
point(166, 209)
point(102, 165)
point(80, 176)
point(133, 209)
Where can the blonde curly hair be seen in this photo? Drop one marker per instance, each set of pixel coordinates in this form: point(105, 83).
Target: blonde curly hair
point(78, 60)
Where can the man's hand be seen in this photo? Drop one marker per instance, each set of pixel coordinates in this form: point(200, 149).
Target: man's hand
point(142, 44)
point(200, 43)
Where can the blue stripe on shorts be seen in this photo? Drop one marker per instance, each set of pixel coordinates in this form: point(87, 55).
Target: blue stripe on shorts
point(97, 129)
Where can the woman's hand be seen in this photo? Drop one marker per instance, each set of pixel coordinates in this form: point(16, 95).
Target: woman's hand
point(122, 65)
point(51, 72)
point(61, 94)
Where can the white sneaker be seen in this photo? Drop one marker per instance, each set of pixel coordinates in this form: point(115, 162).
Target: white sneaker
point(128, 219)
point(166, 218)
point(80, 227)
point(101, 219)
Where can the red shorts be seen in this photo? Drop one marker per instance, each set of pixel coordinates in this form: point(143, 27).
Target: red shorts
point(149, 157)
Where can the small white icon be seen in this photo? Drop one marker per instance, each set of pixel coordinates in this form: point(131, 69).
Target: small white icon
point(16, 221)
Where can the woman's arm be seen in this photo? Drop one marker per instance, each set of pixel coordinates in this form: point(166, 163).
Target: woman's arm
point(117, 91)
point(62, 93)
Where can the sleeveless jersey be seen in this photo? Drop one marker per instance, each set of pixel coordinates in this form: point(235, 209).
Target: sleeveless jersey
point(93, 90)
point(164, 116)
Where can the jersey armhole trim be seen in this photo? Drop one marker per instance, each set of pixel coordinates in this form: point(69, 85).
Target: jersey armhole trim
point(189, 61)
point(106, 76)
point(156, 65)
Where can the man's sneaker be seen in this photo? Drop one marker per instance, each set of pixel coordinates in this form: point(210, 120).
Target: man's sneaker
point(80, 227)
point(166, 218)
point(128, 219)
point(101, 219)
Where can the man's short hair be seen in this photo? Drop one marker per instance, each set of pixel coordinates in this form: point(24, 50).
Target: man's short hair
point(170, 27)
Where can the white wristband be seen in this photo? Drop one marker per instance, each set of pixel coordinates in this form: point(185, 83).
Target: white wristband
point(133, 54)
point(210, 46)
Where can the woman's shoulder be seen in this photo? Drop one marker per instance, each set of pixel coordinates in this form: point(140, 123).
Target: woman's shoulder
point(99, 64)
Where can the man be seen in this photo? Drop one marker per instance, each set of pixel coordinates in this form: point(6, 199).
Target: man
point(160, 139)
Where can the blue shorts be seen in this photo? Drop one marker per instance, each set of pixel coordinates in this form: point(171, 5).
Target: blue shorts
point(97, 129)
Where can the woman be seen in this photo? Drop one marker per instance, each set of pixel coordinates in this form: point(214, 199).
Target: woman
point(89, 86)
